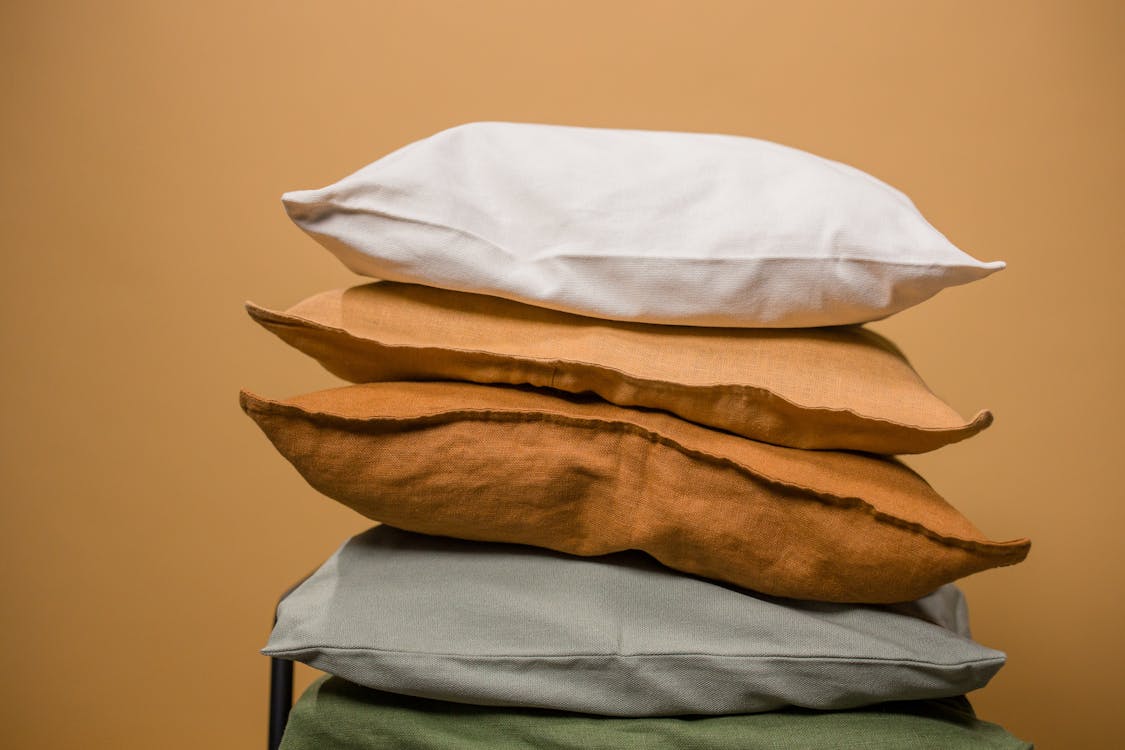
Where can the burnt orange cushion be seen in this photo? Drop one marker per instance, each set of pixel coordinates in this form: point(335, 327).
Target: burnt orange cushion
point(838, 388)
point(590, 478)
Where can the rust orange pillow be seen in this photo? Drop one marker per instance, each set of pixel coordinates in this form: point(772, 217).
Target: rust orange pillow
point(587, 477)
point(843, 388)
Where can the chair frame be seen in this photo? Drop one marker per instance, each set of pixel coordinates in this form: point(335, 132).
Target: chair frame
point(281, 685)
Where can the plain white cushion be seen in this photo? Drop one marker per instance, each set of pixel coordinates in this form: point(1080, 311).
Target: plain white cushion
point(657, 227)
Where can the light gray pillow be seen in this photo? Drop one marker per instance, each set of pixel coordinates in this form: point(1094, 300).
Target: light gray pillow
point(620, 635)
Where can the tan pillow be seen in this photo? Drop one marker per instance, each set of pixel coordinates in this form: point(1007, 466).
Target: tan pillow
point(838, 388)
point(589, 478)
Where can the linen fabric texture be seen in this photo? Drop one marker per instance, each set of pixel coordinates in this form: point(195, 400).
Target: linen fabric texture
point(503, 624)
point(586, 477)
point(339, 714)
point(632, 225)
point(826, 388)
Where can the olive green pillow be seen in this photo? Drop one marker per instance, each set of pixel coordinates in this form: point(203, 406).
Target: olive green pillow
point(334, 713)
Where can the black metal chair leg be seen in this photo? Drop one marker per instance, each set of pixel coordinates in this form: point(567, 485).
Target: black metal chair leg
point(281, 699)
point(281, 685)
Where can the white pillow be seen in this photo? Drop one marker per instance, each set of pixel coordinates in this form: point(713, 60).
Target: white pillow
point(632, 225)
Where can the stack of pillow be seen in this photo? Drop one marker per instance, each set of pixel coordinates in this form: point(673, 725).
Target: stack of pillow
point(630, 451)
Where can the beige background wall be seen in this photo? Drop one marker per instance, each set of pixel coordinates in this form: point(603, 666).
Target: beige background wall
point(148, 526)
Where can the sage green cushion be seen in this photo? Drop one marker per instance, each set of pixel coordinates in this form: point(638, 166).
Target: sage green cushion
point(340, 715)
point(617, 635)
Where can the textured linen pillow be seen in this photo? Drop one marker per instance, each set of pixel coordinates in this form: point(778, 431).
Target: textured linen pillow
point(587, 477)
point(839, 388)
point(647, 226)
point(335, 713)
point(501, 624)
